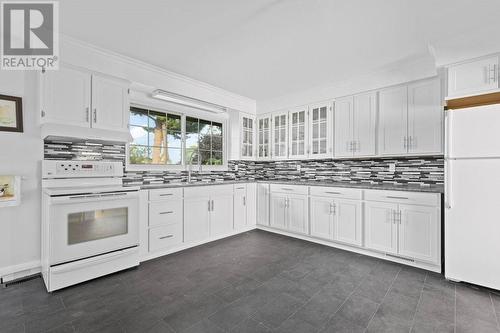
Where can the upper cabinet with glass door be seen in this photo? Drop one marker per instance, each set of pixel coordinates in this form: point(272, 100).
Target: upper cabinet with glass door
point(264, 137)
point(247, 125)
point(298, 132)
point(320, 130)
point(280, 135)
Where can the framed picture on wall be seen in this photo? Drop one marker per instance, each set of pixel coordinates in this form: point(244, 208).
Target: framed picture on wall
point(11, 114)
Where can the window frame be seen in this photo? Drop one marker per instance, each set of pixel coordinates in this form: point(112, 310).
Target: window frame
point(184, 161)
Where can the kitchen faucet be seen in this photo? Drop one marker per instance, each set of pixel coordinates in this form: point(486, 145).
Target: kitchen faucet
point(190, 165)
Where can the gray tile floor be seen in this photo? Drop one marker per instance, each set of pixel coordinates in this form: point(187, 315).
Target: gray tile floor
point(255, 282)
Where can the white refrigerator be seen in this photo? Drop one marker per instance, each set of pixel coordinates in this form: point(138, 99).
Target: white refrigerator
point(472, 196)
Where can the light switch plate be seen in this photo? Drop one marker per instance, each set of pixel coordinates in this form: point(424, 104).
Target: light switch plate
point(236, 167)
point(392, 167)
point(298, 167)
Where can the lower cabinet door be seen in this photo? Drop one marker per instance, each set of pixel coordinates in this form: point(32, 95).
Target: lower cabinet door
point(380, 226)
point(221, 215)
point(321, 217)
point(419, 232)
point(297, 214)
point(263, 204)
point(196, 219)
point(165, 237)
point(348, 222)
point(277, 210)
point(240, 208)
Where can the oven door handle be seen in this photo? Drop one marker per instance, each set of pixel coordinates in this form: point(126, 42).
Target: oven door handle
point(94, 197)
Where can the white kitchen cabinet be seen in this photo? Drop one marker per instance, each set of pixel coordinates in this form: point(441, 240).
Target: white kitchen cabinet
point(419, 232)
point(425, 117)
point(280, 135)
point(348, 222)
point(473, 77)
point(196, 219)
point(355, 124)
point(344, 126)
point(240, 206)
point(65, 96)
point(320, 128)
point(278, 208)
point(110, 103)
point(73, 96)
point(298, 133)
point(393, 120)
point(411, 119)
point(297, 214)
point(165, 237)
point(251, 203)
point(221, 214)
point(263, 197)
point(364, 124)
point(322, 217)
point(336, 219)
point(264, 137)
point(208, 212)
point(247, 130)
point(381, 232)
point(288, 210)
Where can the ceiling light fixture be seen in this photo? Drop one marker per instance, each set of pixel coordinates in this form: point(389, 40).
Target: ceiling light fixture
point(187, 101)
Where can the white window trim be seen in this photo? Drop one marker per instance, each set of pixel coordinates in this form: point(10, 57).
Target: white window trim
point(183, 166)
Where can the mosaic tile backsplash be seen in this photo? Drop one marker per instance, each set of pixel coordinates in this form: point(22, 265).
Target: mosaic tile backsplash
point(408, 170)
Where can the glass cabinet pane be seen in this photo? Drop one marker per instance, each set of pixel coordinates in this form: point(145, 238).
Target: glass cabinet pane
point(97, 224)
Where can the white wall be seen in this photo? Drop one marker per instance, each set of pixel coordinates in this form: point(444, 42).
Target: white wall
point(415, 68)
point(20, 154)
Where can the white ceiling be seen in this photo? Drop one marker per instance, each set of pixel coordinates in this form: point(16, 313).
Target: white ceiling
point(267, 48)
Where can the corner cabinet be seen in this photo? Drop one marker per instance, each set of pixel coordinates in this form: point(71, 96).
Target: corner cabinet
point(77, 97)
point(355, 125)
point(264, 137)
point(411, 119)
point(473, 77)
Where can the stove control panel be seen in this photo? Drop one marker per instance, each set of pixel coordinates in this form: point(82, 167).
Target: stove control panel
point(79, 169)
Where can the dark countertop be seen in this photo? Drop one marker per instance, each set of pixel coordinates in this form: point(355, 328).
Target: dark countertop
point(367, 186)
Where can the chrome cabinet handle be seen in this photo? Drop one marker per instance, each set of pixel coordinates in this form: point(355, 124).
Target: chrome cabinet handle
point(212, 205)
point(95, 115)
point(244, 201)
point(168, 236)
point(399, 217)
point(395, 197)
point(208, 205)
point(165, 194)
point(334, 209)
point(163, 213)
point(87, 114)
point(332, 192)
point(405, 142)
point(287, 189)
point(393, 216)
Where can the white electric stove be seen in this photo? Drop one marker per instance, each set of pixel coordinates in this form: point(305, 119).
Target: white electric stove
point(90, 221)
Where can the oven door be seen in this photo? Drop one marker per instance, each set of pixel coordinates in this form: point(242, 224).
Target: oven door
point(83, 226)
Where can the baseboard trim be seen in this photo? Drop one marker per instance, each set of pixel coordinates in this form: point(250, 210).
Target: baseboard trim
point(15, 272)
point(384, 256)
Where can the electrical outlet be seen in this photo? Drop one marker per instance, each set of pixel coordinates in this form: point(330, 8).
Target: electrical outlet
point(298, 167)
point(392, 167)
point(236, 167)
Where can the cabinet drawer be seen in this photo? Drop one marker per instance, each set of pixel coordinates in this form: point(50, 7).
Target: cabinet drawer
point(296, 189)
point(165, 237)
point(336, 192)
point(415, 198)
point(165, 212)
point(165, 194)
point(207, 190)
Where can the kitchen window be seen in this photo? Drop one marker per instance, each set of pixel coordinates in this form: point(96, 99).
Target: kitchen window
point(166, 140)
point(157, 137)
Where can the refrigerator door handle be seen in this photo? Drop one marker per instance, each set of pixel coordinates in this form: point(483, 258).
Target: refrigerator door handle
point(447, 189)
